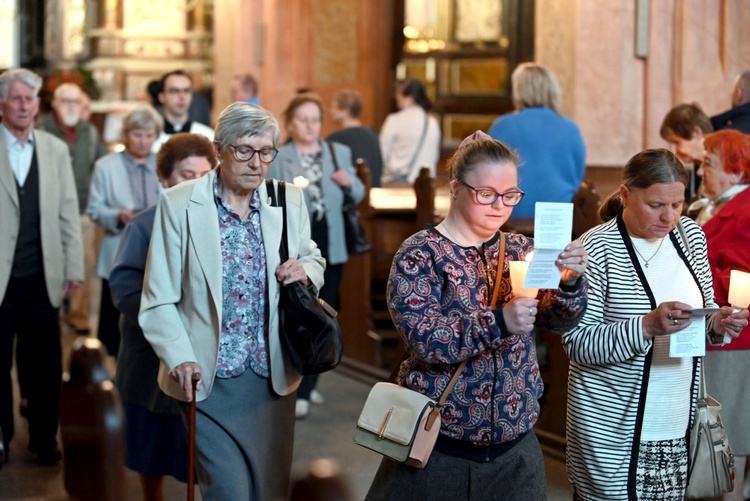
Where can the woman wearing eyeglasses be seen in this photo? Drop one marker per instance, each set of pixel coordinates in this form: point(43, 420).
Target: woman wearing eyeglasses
point(309, 162)
point(210, 306)
point(439, 295)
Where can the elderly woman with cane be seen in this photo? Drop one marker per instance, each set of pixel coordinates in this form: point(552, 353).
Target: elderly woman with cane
point(210, 307)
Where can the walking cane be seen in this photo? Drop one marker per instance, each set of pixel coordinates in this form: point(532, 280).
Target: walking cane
point(191, 442)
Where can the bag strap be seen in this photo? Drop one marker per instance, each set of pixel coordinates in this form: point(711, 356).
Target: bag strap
point(333, 156)
point(283, 251)
point(499, 274)
point(419, 146)
point(495, 293)
point(681, 229)
point(702, 385)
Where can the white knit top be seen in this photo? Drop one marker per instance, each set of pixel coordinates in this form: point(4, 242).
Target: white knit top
point(667, 410)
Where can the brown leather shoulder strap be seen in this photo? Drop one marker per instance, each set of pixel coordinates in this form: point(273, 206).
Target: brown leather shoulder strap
point(499, 274)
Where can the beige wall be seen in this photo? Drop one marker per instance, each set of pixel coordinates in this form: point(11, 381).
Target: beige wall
point(326, 45)
point(696, 48)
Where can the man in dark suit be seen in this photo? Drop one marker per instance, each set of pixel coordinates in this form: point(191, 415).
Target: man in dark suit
point(41, 259)
point(738, 117)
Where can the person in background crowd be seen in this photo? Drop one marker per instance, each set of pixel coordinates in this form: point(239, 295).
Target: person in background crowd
point(244, 88)
point(308, 162)
point(210, 306)
point(629, 403)
point(42, 260)
point(153, 89)
point(439, 294)
point(410, 137)
point(725, 220)
point(552, 155)
point(738, 117)
point(176, 95)
point(201, 105)
point(684, 127)
point(124, 183)
point(155, 437)
point(85, 107)
point(363, 141)
point(85, 146)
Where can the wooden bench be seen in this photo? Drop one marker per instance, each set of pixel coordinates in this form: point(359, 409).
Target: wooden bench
point(91, 422)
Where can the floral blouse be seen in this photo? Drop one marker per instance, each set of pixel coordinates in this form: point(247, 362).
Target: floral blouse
point(242, 342)
point(439, 295)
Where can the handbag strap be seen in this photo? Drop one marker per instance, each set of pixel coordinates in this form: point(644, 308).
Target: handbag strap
point(499, 274)
point(421, 142)
point(333, 156)
point(495, 293)
point(283, 251)
point(336, 165)
point(681, 229)
point(702, 385)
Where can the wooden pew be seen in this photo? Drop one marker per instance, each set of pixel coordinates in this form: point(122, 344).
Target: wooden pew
point(91, 422)
point(553, 360)
point(586, 204)
point(355, 307)
point(400, 212)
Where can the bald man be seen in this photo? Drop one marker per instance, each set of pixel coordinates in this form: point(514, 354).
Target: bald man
point(738, 117)
point(85, 146)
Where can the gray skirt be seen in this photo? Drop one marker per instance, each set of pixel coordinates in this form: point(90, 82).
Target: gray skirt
point(727, 374)
point(517, 474)
point(244, 439)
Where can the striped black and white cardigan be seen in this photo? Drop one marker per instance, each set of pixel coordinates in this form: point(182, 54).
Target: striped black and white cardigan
point(610, 360)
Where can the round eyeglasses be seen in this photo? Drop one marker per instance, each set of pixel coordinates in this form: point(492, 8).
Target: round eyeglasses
point(486, 196)
point(244, 153)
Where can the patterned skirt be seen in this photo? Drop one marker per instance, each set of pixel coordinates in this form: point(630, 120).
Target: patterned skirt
point(662, 470)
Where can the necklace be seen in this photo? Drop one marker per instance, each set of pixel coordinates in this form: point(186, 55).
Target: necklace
point(445, 227)
point(646, 261)
point(487, 269)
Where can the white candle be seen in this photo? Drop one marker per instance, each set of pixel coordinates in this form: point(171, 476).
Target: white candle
point(739, 289)
point(518, 271)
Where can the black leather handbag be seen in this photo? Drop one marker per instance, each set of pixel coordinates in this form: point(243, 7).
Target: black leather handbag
point(308, 328)
point(356, 236)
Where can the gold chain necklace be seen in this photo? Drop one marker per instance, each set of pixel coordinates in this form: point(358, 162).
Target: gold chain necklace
point(646, 261)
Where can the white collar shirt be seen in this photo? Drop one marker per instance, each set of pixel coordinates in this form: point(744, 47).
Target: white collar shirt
point(19, 154)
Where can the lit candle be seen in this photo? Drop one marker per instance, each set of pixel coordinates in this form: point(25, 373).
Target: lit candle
point(739, 289)
point(518, 271)
point(301, 181)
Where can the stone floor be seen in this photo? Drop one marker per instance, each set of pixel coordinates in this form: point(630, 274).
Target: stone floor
point(325, 433)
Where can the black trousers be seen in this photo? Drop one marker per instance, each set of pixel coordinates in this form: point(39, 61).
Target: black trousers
point(330, 294)
point(27, 315)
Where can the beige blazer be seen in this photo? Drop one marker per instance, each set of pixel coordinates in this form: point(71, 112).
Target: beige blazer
point(182, 290)
point(60, 223)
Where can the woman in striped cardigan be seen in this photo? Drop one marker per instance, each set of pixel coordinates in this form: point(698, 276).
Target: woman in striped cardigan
point(630, 405)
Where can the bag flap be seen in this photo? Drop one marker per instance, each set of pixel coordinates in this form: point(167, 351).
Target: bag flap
point(393, 412)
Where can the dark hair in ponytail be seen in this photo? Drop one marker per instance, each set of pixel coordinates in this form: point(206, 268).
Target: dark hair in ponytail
point(646, 168)
point(414, 88)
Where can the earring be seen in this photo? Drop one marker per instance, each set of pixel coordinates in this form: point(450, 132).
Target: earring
point(453, 195)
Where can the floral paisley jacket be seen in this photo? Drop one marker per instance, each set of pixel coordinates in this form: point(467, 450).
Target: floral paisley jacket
point(438, 295)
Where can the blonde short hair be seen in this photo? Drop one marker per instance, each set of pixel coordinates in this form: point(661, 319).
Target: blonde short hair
point(142, 117)
point(535, 86)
